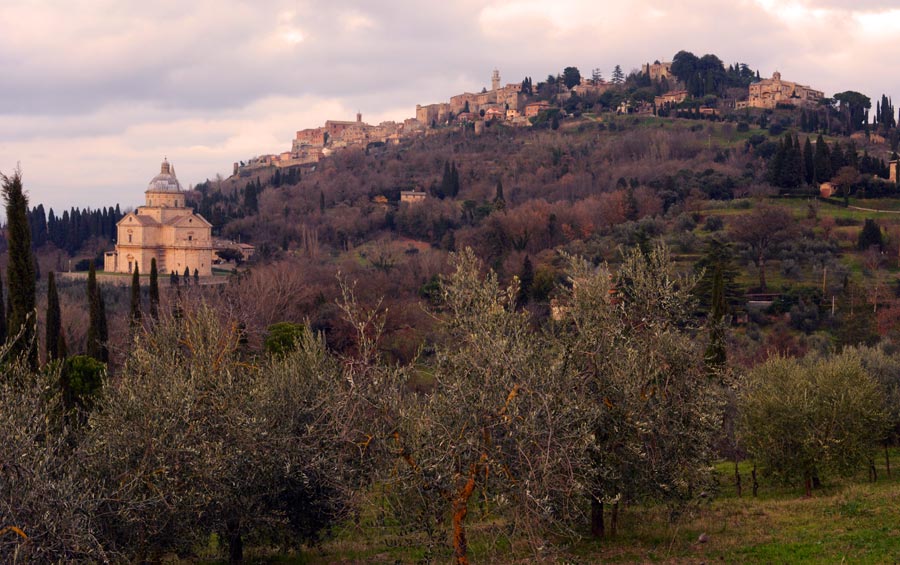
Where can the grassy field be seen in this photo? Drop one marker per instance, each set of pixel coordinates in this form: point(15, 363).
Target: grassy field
point(848, 520)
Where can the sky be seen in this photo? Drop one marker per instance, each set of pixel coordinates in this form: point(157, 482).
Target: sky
point(94, 93)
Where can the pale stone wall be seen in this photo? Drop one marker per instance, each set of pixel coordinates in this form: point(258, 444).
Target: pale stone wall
point(768, 93)
point(164, 229)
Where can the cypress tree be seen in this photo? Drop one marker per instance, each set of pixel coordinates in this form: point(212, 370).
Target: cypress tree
point(716, 354)
point(526, 281)
point(187, 276)
point(809, 168)
point(196, 276)
point(154, 290)
point(97, 332)
point(173, 278)
point(20, 276)
point(2, 315)
point(822, 160)
point(54, 319)
point(135, 315)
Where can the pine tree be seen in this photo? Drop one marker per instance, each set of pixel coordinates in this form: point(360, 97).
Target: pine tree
point(54, 319)
point(20, 276)
point(135, 313)
point(154, 290)
point(618, 77)
point(97, 329)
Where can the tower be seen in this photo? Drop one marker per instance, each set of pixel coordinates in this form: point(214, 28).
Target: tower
point(495, 80)
point(358, 117)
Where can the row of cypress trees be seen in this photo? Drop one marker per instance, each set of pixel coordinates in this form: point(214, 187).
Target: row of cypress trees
point(18, 320)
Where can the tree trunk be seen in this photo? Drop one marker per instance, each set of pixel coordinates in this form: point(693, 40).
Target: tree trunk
point(460, 509)
point(235, 543)
point(761, 261)
point(737, 478)
point(807, 483)
point(598, 528)
point(816, 482)
point(887, 460)
point(755, 483)
point(614, 520)
point(873, 472)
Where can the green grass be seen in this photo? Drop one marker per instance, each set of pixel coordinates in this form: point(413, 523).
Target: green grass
point(848, 520)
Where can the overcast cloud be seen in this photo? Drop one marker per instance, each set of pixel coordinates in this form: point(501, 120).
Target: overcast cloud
point(93, 93)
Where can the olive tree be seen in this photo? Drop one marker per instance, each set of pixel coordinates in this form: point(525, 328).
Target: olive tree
point(190, 440)
point(633, 355)
point(47, 510)
point(494, 431)
point(803, 418)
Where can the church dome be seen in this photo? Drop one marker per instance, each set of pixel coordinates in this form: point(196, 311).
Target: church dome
point(165, 181)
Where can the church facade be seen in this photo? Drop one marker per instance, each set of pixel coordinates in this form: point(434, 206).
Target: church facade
point(164, 229)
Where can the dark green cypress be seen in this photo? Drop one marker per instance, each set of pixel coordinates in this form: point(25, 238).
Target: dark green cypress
point(154, 290)
point(97, 331)
point(54, 319)
point(822, 160)
point(2, 314)
point(187, 276)
point(20, 275)
point(809, 168)
point(526, 281)
point(135, 315)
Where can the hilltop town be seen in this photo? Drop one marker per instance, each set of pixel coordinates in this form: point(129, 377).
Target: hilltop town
point(521, 104)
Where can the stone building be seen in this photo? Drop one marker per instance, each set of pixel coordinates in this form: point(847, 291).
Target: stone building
point(164, 229)
point(658, 71)
point(770, 92)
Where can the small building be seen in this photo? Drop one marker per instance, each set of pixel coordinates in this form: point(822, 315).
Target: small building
point(536, 108)
point(826, 190)
point(412, 196)
point(768, 93)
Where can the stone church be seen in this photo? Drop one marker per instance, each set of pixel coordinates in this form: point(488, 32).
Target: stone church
point(164, 229)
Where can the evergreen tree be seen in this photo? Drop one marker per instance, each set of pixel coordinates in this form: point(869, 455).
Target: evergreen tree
point(716, 354)
point(54, 319)
point(526, 281)
point(196, 277)
point(454, 180)
point(187, 276)
point(2, 315)
point(173, 278)
point(618, 77)
point(20, 276)
point(870, 236)
point(321, 202)
point(809, 168)
point(97, 334)
point(135, 314)
point(631, 206)
point(822, 161)
point(499, 200)
point(154, 290)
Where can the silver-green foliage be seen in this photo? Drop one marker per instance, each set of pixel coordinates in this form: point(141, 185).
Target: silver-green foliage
point(802, 419)
point(634, 360)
